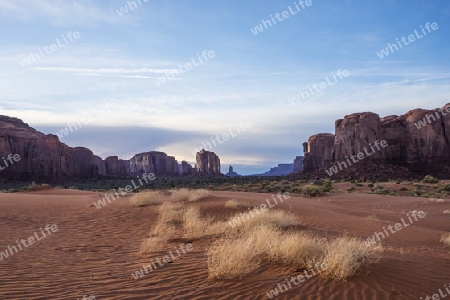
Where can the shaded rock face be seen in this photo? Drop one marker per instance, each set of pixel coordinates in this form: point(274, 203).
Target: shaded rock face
point(158, 163)
point(298, 164)
point(186, 168)
point(115, 166)
point(43, 157)
point(208, 163)
point(318, 151)
point(99, 165)
point(417, 141)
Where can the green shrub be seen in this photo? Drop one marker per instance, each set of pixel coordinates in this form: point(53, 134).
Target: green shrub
point(370, 185)
point(351, 189)
point(311, 191)
point(430, 179)
point(404, 189)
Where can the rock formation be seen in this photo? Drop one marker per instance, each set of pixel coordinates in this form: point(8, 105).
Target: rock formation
point(417, 142)
point(231, 172)
point(280, 170)
point(43, 157)
point(158, 163)
point(208, 163)
point(298, 164)
point(115, 166)
point(186, 168)
point(318, 151)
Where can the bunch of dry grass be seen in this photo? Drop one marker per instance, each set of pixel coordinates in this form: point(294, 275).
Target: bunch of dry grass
point(345, 256)
point(152, 244)
point(194, 225)
point(447, 211)
point(146, 198)
point(233, 256)
point(297, 249)
point(277, 219)
point(190, 195)
point(446, 239)
point(234, 204)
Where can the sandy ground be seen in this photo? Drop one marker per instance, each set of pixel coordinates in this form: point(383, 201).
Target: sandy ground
point(95, 251)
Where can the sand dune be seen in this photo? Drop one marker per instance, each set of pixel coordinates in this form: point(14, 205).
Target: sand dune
point(95, 251)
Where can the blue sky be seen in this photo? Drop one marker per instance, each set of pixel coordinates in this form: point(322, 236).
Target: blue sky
point(117, 59)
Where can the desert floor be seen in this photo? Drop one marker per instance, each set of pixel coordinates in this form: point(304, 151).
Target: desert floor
point(95, 251)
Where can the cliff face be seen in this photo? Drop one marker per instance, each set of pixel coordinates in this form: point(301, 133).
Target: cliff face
point(318, 151)
point(43, 157)
point(417, 140)
point(208, 163)
point(186, 168)
point(154, 162)
point(298, 164)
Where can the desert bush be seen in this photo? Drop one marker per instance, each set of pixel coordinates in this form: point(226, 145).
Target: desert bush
point(445, 239)
point(370, 185)
point(311, 191)
point(346, 256)
point(351, 189)
point(146, 198)
point(403, 188)
point(430, 179)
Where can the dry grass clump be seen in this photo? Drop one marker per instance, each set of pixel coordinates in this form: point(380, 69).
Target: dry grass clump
point(152, 244)
point(234, 204)
point(146, 198)
point(276, 219)
point(447, 211)
point(194, 225)
point(190, 195)
point(446, 239)
point(237, 256)
point(297, 249)
point(345, 256)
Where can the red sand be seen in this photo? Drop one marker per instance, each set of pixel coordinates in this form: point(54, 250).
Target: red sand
point(95, 251)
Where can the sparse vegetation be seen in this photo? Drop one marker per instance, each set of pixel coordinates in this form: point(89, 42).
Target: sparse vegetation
point(445, 239)
point(345, 256)
point(190, 195)
point(430, 179)
point(310, 191)
point(234, 204)
point(146, 198)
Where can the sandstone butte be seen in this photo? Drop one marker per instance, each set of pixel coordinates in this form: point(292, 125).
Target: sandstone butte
point(418, 144)
point(44, 157)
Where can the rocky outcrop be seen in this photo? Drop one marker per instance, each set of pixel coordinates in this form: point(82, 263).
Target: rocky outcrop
point(99, 165)
point(42, 157)
point(298, 164)
point(158, 163)
point(208, 163)
point(115, 166)
point(186, 168)
point(231, 172)
point(417, 143)
point(318, 151)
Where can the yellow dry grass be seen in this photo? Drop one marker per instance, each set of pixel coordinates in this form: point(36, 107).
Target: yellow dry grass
point(146, 198)
point(445, 239)
point(234, 204)
point(345, 256)
point(190, 195)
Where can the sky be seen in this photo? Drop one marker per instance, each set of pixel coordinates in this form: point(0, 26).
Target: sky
point(105, 66)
